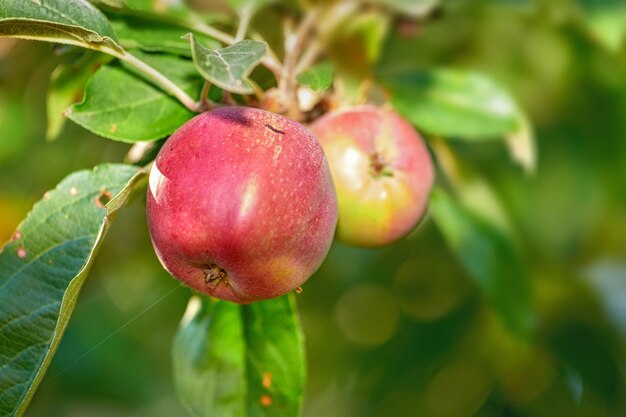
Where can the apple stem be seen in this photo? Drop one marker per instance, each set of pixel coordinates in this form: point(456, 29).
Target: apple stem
point(205, 103)
point(228, 99)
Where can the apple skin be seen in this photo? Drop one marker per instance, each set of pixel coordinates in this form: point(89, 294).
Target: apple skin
point(241, 204)
point(382, 171)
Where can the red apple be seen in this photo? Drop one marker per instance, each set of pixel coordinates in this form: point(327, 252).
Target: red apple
point(241, 204)
point(382, 171)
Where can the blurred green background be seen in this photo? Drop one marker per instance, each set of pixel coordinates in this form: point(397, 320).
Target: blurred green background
point(401, 331)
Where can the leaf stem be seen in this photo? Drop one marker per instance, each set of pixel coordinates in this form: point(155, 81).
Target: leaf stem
point(201, 27)
point(244, 22)
point(167, 84)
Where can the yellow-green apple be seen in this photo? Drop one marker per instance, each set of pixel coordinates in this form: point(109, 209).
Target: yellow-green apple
point(241, 204)
point(382, 171)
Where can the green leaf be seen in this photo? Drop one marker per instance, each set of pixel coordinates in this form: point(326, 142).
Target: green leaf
point(229, 67)
point(453, 103)
point(123, 106)
point(66, 86)
point(490, 258)
point(154, 36)
point(74, 22)
point(413, 8)
point(606, 20)
point(233, 360)
point(43, 268)
point(318, 78)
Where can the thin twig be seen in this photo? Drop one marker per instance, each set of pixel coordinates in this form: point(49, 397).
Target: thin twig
point(244, 22)
point(167, 84)
point(289, 36)
point(332, 19)
point(201, 27)
point(309, 56)
point(294, 43)
point(292, 56)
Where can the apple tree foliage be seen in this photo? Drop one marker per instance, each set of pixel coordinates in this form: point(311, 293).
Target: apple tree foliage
point(143, 71)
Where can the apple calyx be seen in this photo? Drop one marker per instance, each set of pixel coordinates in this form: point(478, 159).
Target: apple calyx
point(379, 166)
point(214, 275)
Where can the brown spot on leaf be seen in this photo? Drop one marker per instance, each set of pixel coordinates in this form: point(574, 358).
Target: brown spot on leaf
point(113, 128)
point(17, 235)
point(103, 198)
point(267, 380)
point(299, 290)
point(266, 400)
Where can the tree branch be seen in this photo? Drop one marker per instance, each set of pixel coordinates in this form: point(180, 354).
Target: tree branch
point(294, 43)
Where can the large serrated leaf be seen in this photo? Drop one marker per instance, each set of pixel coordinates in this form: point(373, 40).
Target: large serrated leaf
point(244, 361)
point(229, 67)
point(453, 103)
point(74, 22)
point(42, 270)
point(489, 257)
point(123, 106)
